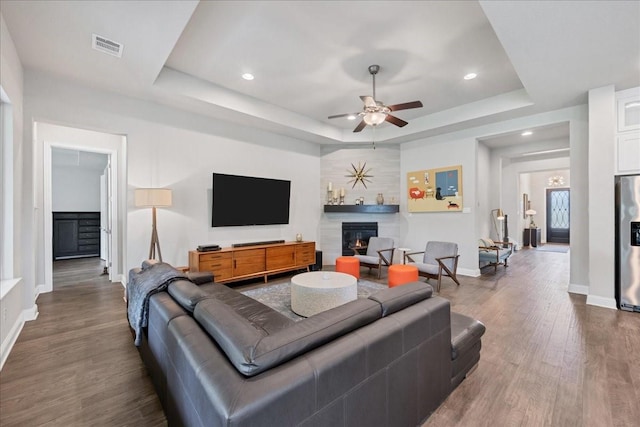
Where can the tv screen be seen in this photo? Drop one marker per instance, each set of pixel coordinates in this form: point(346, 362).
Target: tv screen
point(246, 200)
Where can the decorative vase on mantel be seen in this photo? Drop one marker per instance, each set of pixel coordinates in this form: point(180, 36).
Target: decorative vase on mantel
point(380, 199)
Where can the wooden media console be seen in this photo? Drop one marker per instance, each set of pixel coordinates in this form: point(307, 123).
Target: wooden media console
point(239, 263)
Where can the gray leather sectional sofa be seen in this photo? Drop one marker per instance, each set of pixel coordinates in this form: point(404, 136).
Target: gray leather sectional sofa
point(219, 358)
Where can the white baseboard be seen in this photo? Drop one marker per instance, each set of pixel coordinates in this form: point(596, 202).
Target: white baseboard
point(468, 272)
point(601, 301)
point(10, 340)
point(40, 289)
point(578, 289)
point(30, 313)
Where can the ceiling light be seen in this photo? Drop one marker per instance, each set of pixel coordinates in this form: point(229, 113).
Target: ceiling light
point(374, 118)
point(470, 76)
point(248, 76)
point(351, 117)
point(556, 180)
point(526, 133)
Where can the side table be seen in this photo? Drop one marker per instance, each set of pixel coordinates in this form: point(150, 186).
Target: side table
point(403, 251)
point(531, 237)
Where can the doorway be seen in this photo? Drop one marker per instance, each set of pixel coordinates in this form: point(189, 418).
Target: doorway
point(78, 192)
point(558, 215)
point(51, 136)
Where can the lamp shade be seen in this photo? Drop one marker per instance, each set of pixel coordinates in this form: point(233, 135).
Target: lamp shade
point(499, 214)
point(153, 197)
point(374, 118)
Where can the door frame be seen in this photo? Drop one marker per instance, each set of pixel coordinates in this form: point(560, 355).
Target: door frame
point(89, 141)
point(548, 192)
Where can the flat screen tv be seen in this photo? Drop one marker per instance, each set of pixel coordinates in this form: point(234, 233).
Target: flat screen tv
point(246, 200)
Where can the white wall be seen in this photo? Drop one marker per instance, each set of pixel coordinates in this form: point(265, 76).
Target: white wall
point(459, 227)
point(75, 189)
point(602, 128)
point(384, 165)
point(484, 189)
point(16, 292)
point(171, 148)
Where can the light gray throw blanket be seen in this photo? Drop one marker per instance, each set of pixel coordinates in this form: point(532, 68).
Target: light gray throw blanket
point(143, 284)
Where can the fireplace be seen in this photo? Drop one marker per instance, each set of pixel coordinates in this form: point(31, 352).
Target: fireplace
point(356, 235)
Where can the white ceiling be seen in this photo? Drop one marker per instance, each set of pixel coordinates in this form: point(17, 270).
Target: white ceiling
point(66, 158)
point(310, 59)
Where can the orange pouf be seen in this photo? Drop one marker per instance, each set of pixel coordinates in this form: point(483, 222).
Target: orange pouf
point(399, 274)
point(349, 265)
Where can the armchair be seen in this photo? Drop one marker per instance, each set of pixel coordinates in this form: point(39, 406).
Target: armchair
point(494, 253)
point(379, 252)
point(439, 259)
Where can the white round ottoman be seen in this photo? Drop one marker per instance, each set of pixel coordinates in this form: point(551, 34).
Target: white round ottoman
point(318, 291)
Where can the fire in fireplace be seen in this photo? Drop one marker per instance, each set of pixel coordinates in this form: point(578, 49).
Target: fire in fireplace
point(356, 235)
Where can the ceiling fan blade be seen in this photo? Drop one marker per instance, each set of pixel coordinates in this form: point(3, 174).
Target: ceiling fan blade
point(343, 115)
point(368, 101)
point(396, 121)
point(405, 106)
point(360, 126)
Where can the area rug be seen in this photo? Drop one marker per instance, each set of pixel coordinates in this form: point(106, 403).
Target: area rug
point(278, 296)
point(553, 248)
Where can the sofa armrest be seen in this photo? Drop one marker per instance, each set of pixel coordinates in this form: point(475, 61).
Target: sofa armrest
point(201, 277)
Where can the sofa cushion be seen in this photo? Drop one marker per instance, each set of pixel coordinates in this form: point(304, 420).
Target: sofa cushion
point(486, 242)
point(200, 277)
point(465, 333)
point(493, 255)
point(252, 350)
point(186, 293)
point(399, 297)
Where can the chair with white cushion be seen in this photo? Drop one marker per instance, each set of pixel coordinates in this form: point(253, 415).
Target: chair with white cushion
point(379, 253)
point(439, 259)
point(491, 253)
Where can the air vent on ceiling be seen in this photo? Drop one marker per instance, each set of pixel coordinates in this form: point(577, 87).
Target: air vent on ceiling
point(105, 45)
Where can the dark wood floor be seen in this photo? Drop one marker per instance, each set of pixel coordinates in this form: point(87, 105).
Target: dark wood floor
point(548, 359)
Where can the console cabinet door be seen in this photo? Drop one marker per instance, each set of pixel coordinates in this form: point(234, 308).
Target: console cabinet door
point(305, 254)
point(281, 257)
point(249, 261)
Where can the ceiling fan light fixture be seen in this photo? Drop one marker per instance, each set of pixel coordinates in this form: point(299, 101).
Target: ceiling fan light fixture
point(374, 118)
point(351, 117)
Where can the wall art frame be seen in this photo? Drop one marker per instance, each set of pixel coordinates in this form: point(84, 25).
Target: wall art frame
point(435, 190)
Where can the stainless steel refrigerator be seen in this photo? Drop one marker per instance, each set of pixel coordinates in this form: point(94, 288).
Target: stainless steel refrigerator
point(628, 242)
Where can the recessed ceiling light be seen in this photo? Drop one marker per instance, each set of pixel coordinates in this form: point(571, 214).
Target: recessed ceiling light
point(351, 117)
point(248, 76)
point(526, 133)
point(470, 76)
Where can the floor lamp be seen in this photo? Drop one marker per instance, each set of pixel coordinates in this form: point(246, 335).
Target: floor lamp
point(499, 216)
point(153, 198)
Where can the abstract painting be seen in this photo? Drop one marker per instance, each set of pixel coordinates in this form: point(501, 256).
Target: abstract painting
point(435, 190)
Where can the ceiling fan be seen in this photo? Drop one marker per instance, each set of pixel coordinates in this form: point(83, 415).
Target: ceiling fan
point(375, 112)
